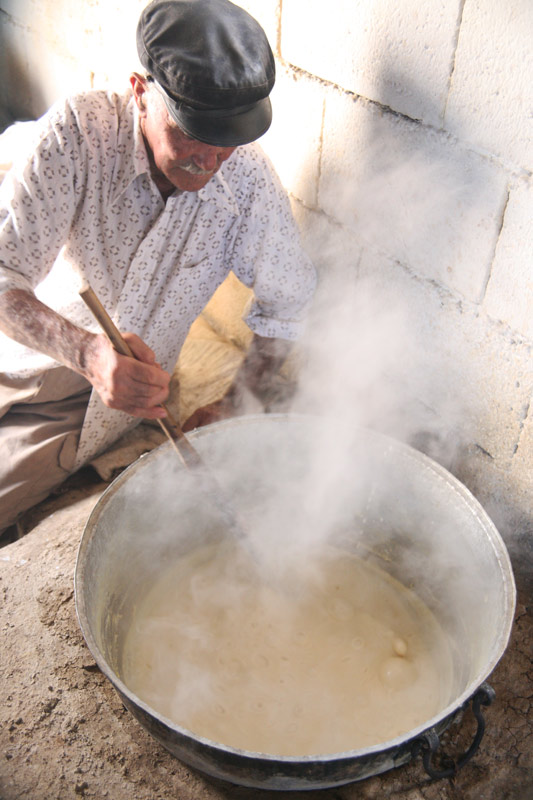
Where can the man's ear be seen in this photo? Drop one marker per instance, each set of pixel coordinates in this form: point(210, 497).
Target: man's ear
point(138, 85)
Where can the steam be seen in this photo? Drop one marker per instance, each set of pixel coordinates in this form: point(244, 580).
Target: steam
point(361, 356)
point(366, 361)
point(323, 479)
point(300, 488)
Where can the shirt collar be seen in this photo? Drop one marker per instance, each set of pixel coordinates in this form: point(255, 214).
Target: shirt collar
point(131, 163)
point(140, 162)
point(136, 163)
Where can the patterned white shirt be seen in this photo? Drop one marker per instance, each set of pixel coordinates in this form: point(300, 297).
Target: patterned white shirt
point(84, 206)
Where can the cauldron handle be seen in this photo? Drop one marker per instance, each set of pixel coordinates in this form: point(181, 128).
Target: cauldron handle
point(429, 741)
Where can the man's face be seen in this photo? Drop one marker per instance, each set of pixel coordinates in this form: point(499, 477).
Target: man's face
point(177, 160)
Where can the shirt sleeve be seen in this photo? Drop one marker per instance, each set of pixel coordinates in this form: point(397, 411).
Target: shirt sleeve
point(268, 256)
point(38, 199)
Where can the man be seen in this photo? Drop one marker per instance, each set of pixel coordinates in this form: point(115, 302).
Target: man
point(152, 197)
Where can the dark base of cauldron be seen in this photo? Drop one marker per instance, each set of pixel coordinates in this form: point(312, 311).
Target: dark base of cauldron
point(275, 774)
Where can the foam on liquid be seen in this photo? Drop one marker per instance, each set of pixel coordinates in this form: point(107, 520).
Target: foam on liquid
point(339, 657)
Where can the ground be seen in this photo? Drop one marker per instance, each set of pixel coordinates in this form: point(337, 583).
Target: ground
point(64, 732)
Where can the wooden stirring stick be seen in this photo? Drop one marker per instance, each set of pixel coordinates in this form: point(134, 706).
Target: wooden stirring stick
point(185, 450)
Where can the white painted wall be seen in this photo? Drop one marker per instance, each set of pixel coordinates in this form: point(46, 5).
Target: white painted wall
point(404, 134)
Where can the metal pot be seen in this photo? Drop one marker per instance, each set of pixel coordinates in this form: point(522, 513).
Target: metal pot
point(402, 511)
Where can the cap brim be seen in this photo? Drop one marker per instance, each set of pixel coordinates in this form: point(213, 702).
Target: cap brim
point(222, 127)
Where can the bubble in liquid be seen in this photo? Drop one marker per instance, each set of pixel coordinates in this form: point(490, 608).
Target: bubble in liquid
point(298, 710)
point(397, 673)
point(301, 637)
point(258, 705)
point(292, 728)
point(340, 609)
point(399, 646)
point(235, 666)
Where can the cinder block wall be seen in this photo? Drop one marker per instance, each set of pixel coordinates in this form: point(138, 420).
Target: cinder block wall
point(404, 133)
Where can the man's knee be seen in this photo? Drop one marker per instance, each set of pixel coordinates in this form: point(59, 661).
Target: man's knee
point(40, 443)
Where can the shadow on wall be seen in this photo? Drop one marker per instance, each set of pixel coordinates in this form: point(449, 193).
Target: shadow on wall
point(379, 187)
point(413, 193)
point(438, 209)
point(21, 98)
point(396, 340)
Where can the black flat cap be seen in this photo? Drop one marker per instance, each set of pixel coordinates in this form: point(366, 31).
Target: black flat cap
point(214, 65)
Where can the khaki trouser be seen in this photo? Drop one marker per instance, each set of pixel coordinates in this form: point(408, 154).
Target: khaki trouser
point(40, 424)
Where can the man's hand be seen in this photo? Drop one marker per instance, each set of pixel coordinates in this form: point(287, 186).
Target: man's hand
point(213, 412)
point(263, 361)
point(251, 386)
point(137, 385)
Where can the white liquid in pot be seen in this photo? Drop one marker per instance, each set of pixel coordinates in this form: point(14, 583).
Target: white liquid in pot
point(337, 657)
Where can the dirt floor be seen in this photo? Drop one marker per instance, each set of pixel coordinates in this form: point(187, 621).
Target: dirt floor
point(64, 732)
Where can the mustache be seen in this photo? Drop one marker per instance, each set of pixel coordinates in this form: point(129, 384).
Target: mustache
point(194, 169)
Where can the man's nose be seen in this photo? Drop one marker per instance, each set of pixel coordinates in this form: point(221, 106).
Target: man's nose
point(207, 157)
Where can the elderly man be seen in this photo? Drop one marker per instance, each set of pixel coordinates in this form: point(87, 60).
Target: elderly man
point(152, 197)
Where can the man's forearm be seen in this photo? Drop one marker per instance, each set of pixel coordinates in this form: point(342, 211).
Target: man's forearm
point(135, 385)
point(28, 321)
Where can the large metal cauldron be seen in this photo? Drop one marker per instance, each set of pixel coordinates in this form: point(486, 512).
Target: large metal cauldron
point(402, 511)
